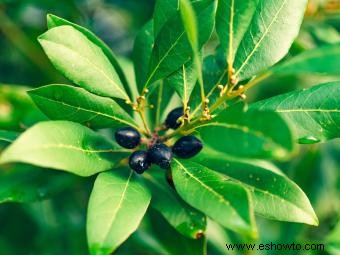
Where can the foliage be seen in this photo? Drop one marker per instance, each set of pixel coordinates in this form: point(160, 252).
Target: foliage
point(177, 62)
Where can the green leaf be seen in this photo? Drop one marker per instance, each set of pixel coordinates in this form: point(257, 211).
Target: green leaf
point(17, 109)
point(183, 81)
point(117, 205)
point(27, 184)
point(190, 23)
point(247, 134)
point(55, 21)
point(142, 50)
point(185, 219)
point(171, 241)
point(164, 99)
point(223, 200)
point(322, 60)
point(64, 145)
point(82, 61)
point(172, 48)
point(273, 28)
point(232, 20)
point(164, 10)
point(64, 102)
point(214, 73)
point(8, 136)
point(275, 196)
point(313, 112)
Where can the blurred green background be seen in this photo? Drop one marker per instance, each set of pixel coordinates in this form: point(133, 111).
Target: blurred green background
point(56, 224)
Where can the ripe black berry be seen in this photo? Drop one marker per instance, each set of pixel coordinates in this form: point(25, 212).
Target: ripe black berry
point(139, 161)
point(127, 137)
point(173, 116)
point(187, 147)
point(161, 155)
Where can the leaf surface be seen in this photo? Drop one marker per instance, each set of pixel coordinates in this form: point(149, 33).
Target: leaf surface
point(275, 196)
point(313, 112)
point(64, 145)
point(172, 48)
point(232, 20)
point(81, 61)
point(223, 200)
point(274, 23)
point(184, 218)
point(247, 134)
point(64, 102)
point(117, 205)
point(55, 21)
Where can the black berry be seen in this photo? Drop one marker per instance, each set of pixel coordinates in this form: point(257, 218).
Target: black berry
point(173, 116)
point(139, 161)
point(187, 147)
point(161, 155)
point(127, 137)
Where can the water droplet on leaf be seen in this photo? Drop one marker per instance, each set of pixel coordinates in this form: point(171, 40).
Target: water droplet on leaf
point(308, 140)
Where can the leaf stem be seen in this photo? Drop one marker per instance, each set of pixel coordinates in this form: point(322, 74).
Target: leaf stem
point(225, 97)
point(257, 80)
point(211, 91)
point(146, 127)
point(159, 100)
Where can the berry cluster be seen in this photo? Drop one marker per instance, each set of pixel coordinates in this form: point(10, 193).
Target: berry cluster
point(158, 153)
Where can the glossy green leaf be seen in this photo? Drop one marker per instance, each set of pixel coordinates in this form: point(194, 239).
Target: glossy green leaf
point(142, 50)
point(117, 205)
point(64, 145)
point(313, 112)
point(172, 48)
point(81, 61)
point(190, 23)
point(275, 196)
point(55, 21)
point(275, 22)
point(27, 184)
point(322, 60)
point(64, 102)
point(183, 81)
point(223, 200)
point(8, 136)
point(232, 20)
point(214, 73)
point(164, 10)
point(185, 219)
point(247, 134)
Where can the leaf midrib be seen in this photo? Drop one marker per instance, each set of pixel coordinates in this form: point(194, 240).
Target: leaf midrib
point(185, 209)
point(163, 58)
point(211, 190)
point(114, 215)
point(71, 147)
point(251, 188)
point(88, 110)
point(257, 45)
point(122, 93)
